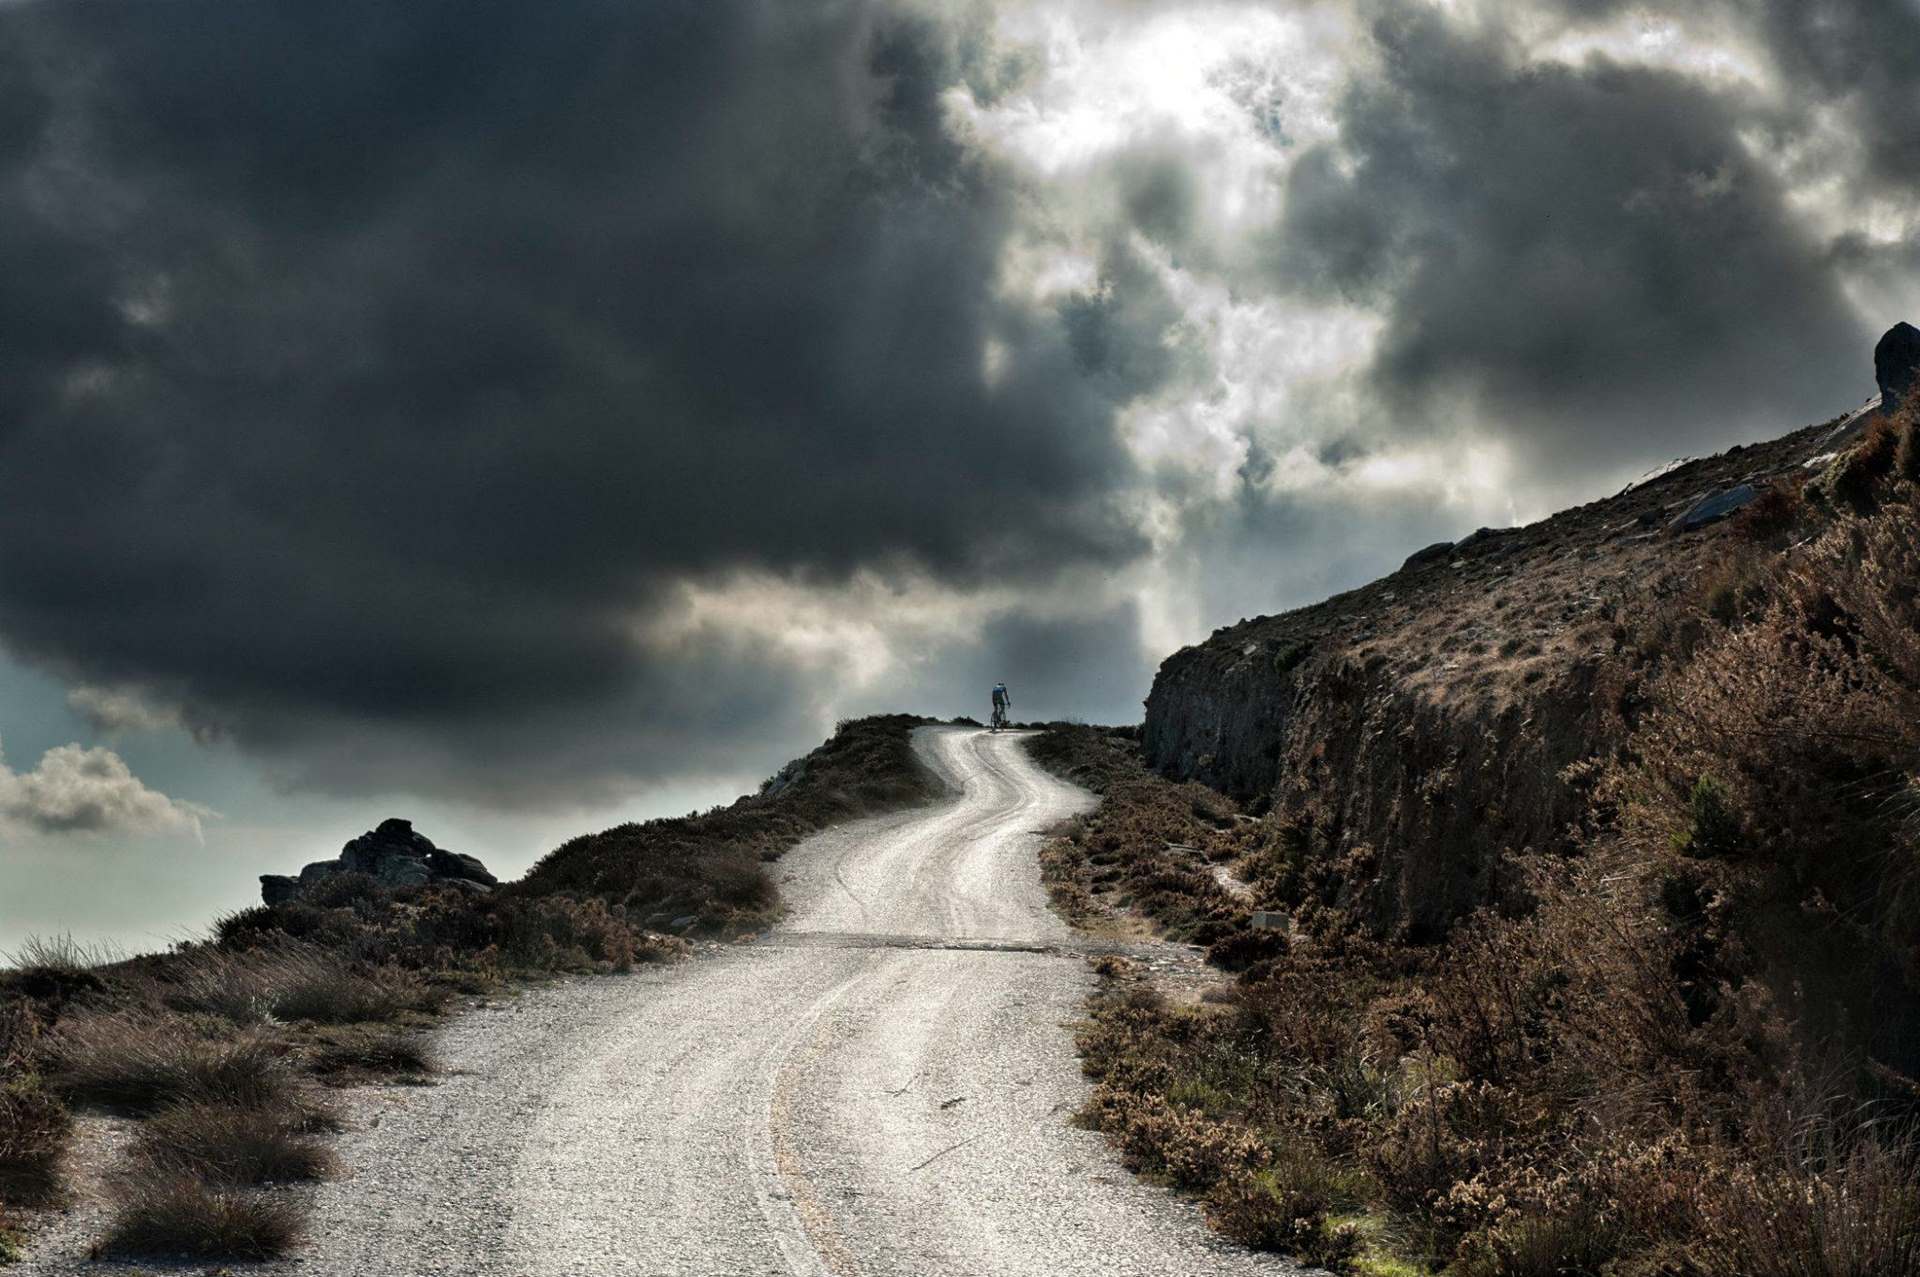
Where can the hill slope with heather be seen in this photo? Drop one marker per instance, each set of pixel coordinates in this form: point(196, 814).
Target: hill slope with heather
point(1597, 849)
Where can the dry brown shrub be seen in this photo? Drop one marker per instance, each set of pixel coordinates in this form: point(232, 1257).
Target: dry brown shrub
point(1191, 1150)
point(1855, 475)
point(559, 932)
point(1261, 1211)
point(1774, 512)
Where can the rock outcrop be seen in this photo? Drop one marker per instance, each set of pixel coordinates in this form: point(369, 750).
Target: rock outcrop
point(392, 854)
point(1896, 364)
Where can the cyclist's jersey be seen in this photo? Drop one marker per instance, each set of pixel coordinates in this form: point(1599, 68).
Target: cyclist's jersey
point(1000, 696)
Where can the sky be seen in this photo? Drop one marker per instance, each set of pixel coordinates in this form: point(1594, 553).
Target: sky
point(524, 418)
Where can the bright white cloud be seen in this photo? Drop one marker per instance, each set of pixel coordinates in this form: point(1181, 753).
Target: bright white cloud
point(75, 789)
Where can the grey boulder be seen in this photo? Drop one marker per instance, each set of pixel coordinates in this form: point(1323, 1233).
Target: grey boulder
point(1714, 507)
point(320, 870)
point(403, 871)
point(276, 889)
point(457, 865)
point(1432, 554)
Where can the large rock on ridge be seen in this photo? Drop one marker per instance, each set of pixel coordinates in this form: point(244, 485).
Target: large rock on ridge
point(1896, 364)
point(394, 855)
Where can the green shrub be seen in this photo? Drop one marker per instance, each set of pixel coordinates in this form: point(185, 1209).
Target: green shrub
point(1260, 1210)
point(1713, 827)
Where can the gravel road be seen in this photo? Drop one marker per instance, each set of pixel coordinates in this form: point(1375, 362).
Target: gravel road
point(881, 1087)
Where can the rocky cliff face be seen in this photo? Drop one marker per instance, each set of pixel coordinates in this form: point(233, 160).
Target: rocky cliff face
point(1424, 727)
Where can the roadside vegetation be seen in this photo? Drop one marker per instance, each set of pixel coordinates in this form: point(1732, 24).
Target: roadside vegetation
point(1684, 1040)
point(223, 1051)
point(713, 865)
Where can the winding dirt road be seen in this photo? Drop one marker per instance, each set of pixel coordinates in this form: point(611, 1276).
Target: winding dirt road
point(880, 1087)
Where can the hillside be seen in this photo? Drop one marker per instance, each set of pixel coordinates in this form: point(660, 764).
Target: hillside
point(1432, 715)
point(1594, 853)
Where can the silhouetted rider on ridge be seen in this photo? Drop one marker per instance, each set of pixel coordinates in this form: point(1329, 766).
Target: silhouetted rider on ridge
point(1002, 702)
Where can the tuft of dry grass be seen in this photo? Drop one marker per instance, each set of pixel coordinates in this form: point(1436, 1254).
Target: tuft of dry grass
point(1854, 1216)
point(139, 1063)
point(236, 1144)
point(170, 1214)
point(289, 980)
point(60, 955)
point(363, 1050)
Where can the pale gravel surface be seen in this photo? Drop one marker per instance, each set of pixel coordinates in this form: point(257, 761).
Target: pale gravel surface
point(880, 1087)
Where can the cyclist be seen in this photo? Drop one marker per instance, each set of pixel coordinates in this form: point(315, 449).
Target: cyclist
point(1002, 702)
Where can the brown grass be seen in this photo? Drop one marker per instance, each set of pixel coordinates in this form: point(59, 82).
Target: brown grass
point(168, 1215)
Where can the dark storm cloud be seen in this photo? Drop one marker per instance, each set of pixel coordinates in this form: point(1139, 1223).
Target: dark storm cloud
point(1861, 56)
point(371, 369)
point(1588, 252)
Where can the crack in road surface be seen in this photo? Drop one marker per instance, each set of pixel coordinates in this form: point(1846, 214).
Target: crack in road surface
point(745, 1114)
